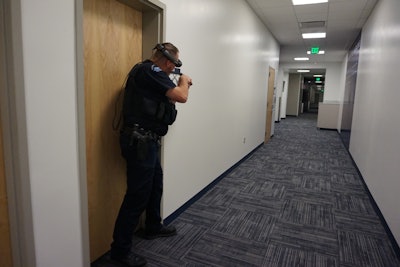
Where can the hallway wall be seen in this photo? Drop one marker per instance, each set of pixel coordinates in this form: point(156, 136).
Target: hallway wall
point(374, 142)
point(281, 92)
point(293, 97)
point(227, 53)
point(52, 231)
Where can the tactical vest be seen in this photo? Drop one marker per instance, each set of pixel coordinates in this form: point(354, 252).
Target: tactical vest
point(140, 105)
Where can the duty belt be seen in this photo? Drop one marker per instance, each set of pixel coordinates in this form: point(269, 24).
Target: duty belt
point(137, 132)
point(141, 138)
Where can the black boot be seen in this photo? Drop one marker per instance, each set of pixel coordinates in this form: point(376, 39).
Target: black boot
point(132, 260)
point(164, 231)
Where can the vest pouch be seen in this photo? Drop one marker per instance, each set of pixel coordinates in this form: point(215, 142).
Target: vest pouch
point(163, 112)
point(170, 114)
point(149, 107)
point(160, 111)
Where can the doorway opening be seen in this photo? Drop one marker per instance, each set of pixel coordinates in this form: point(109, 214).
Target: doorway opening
point(313, 88)
point(270, 103)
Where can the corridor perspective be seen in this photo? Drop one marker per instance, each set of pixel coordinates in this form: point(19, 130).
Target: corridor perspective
point(285, 153)
point(296, 201)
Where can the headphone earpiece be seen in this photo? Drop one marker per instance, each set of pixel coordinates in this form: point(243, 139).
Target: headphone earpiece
point(165, 52)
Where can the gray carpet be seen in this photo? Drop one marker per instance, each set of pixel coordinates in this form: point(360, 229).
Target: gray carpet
point(296, 201)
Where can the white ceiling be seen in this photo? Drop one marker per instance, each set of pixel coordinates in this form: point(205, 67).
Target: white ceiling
point(343, 21)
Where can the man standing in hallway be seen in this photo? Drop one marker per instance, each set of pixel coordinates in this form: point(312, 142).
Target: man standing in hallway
point(148, 109)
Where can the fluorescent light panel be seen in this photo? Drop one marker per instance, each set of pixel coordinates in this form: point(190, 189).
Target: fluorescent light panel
point(318, 75)
point(303, 70)
point(301, 58)
point(308, 2)
point(314, 35)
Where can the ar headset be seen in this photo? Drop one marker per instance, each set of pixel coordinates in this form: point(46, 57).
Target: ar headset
point(168, 55)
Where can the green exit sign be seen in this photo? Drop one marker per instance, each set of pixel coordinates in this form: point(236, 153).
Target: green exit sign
point(314, 50)
point(317, 79)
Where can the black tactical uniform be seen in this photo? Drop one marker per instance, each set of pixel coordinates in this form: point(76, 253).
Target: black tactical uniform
point(147, 112)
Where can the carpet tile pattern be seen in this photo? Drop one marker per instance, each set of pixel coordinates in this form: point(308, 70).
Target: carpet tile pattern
point(296, 201)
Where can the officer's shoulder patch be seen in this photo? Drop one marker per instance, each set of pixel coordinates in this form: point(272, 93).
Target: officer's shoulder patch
point(155, 68)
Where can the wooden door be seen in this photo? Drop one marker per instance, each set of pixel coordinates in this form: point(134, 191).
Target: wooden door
point(112, 45)
point(5, 241)
point(5, 238)
point(270, 100)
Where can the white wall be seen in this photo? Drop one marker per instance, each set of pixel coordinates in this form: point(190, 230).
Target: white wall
point(281, 93)
point(50, 89)
point(334, 85)
point(374, 142)
point(227, 52)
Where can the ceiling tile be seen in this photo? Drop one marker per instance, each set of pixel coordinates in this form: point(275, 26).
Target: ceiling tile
point(344, 19)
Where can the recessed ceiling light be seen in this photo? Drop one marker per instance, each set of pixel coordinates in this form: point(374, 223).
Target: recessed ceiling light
point(318, 75)
point(307, 2)
point(303, 70)
point(314, 35)
point(301, 58)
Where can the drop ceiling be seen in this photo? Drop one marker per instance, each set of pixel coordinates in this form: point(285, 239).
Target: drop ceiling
point(341, 19)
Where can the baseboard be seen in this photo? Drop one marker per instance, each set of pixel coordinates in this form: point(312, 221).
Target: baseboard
point(185, 206)
point(327, 129)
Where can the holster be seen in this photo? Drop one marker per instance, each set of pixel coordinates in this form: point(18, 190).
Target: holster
point(141, 138)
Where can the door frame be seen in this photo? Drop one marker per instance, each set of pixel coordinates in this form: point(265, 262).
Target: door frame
point(153, 32)
point(13, 120)
point(153, 16)
point(270, 102)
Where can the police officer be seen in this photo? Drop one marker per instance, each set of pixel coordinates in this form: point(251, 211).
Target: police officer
point(148, 109)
